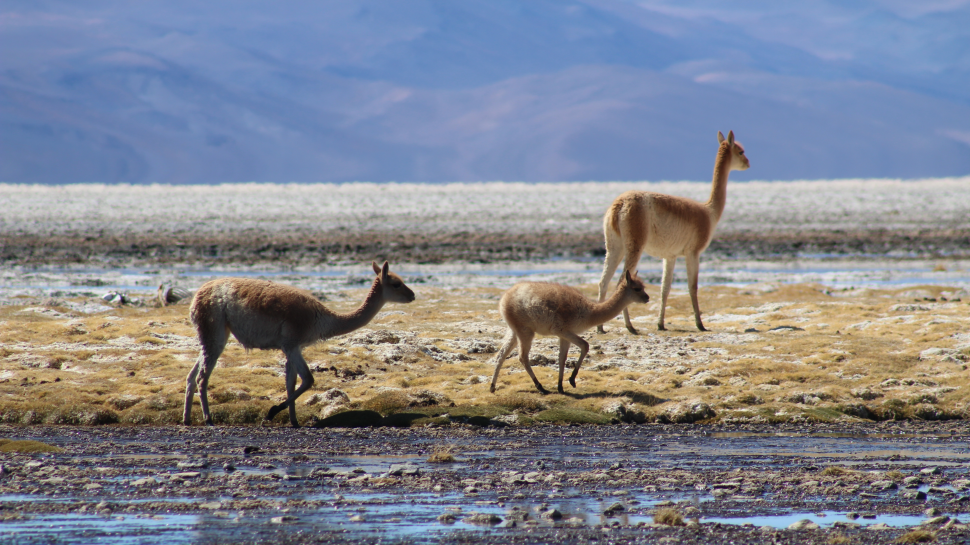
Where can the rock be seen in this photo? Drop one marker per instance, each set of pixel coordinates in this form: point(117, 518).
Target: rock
point(483, 519)
point(686, 413)
point(551, 514)
point(357, 518)
point(931, 471)
point(147, 481)
point(447, 518)
point(427, 398)
point(186, 475)
point(866, 393)
point(852, 515)
point(936, 521)
point(506, 420)
point(212, 505)
point(283, 519)
point(192, 464)
point(405, 470)
point(250, 449)
point(330, 397)
point(932, 512)
point(804, 524)
point(913, 479)
point(884, 485)
point(917, 495)
point(614, 509)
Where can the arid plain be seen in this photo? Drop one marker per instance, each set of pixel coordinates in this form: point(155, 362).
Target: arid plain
point(827, 403)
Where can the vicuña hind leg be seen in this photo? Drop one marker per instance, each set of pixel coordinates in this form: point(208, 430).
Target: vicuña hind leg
point(564, 342)
point(500, 359)
point(296, 366)
point(525, 344)
point(213, 343)
point(668, 278)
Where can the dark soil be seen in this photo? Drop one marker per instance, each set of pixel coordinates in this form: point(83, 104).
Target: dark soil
point(255, 247)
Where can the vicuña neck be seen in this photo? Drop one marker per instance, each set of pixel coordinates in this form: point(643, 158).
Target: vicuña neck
point(608, 309)
point(722, 167)
point(364, 314)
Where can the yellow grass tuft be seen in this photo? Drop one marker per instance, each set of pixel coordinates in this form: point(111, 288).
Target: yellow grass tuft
point(445, 455)
point(668, 517)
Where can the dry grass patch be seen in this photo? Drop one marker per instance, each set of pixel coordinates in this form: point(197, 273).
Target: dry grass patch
point(853, 357)
point(917, 536)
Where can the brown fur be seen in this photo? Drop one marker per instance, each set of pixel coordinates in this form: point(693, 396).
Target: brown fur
point(666, 226)
point(267, 315)
point(554, 309)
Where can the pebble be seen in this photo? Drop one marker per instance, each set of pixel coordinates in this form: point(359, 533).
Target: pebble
point(804, 524)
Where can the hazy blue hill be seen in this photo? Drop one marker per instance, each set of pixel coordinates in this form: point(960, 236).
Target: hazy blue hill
point(437, 90)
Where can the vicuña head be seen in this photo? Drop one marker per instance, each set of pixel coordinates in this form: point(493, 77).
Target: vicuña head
point(267, 315)
point(666, 226)
point(554, 309)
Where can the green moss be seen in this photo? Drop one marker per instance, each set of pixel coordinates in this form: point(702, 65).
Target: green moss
point(26, 446)
point(386, 403)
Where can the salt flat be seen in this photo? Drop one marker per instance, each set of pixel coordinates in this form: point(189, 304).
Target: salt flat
point(850, 205)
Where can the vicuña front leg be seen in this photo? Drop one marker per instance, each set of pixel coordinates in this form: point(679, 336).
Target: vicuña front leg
point(693, 268)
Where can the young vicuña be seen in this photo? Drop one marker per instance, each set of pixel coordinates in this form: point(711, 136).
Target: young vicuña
point(554, 309)
point(267, 315)
point(665, 226)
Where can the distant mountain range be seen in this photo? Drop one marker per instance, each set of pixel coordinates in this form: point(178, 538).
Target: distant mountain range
point(443, 90)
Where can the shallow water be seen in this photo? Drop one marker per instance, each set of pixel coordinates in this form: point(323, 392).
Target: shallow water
point(333, 281)
point(413, 515)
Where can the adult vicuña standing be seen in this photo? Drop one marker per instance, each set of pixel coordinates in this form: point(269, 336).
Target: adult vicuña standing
point(665, 226)
point(554, 309)
point(267, 315)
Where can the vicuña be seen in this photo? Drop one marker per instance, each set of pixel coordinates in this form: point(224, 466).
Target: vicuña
point(554, 309)
point(665, 226)
point(267, 315)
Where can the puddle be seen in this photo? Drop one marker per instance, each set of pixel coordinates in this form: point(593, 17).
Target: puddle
point(824, 519)
point(121, 530)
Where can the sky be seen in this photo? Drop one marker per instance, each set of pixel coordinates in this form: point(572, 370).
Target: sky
point(480, 90)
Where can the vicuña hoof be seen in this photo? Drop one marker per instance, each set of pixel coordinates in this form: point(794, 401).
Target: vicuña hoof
point(275, 410)
point(572, 381)
point(632, 330)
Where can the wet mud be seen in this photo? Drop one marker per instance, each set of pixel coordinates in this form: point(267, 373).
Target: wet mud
point(848, 483)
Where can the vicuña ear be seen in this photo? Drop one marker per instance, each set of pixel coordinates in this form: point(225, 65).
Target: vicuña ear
point(377, 270)
point(720, 137)
point(730, 138)
point(629, 278)
point(385, 269)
